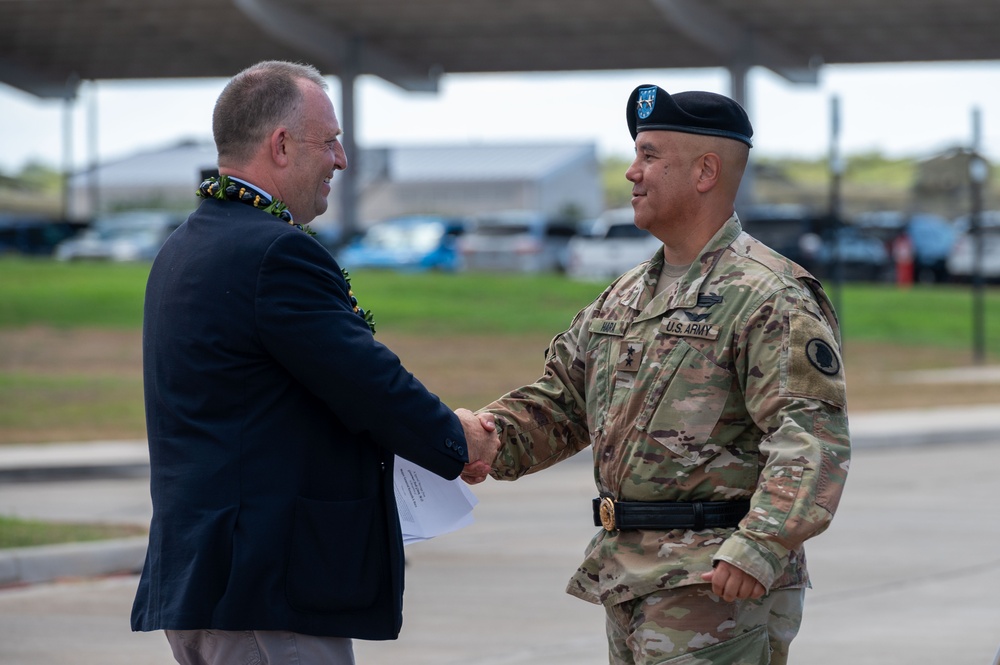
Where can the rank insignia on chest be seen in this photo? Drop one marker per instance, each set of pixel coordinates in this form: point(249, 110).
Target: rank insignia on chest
point(629, 355)
point(685, 328)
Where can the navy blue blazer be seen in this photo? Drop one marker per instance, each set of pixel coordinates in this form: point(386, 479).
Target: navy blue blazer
point(273, 417)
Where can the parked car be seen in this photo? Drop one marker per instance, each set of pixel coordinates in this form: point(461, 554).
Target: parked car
point(961, 258)
point(415, 242)
point(814, 242)
point(517, 241)
point(612, 245)
point(861, 257)
point(929, 237)
point(780, 227)
point(136, 235)
point(330, 236)
point(34, 236)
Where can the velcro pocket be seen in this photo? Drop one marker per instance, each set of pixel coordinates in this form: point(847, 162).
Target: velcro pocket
point(750, 648)
point(685, 404)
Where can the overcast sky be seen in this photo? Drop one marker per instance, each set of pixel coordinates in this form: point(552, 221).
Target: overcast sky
point(899, 110)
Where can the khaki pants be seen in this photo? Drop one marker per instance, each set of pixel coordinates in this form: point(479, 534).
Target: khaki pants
point(257, 647)
point(690, 625)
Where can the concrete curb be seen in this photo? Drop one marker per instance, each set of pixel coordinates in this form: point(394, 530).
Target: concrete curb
point(926, 427)
point(28, 462)
point(48, 563)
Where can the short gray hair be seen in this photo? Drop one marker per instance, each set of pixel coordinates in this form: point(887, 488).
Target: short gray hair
point(254, 103)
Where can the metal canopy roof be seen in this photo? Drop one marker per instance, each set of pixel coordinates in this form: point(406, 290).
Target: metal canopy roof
point(44, 44)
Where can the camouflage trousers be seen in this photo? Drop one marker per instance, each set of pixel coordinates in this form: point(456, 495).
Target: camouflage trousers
point(690, 625)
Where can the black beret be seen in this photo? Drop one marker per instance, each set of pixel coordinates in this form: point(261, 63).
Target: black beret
point(652, 107)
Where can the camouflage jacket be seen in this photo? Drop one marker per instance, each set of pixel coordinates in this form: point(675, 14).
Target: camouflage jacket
point(726, 386)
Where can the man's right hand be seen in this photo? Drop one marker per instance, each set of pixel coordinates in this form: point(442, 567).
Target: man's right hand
point(483, 443)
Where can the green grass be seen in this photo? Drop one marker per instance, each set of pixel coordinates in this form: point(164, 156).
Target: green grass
point(65, 295)
point(42, 292)
point(48, 293)
point(30, 533)
point(471, 303)
point(926, 315)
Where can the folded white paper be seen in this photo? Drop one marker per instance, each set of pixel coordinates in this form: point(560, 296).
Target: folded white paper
point(428, 504)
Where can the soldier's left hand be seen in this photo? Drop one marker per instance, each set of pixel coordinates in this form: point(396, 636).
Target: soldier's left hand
point(730, 583)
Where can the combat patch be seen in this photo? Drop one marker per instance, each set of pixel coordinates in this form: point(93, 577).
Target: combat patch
point(709, 299)
point(682, 328)
point(811, 364)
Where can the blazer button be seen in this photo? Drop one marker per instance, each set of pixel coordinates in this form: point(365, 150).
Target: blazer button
point(449, 443)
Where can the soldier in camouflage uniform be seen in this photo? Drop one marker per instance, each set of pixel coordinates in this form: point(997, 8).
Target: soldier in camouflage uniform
point(708, 383)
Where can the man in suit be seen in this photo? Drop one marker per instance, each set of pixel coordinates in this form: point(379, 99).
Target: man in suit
point(273, 415)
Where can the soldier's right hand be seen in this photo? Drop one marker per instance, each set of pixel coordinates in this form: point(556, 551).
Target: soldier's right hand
point(483, 443)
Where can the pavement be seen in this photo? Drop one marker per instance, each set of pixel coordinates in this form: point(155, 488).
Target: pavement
point(909, 572)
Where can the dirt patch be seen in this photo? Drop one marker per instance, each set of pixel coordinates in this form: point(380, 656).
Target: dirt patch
point(470, 371)
point(888, 376)
point(49, 352)
point(89, 381)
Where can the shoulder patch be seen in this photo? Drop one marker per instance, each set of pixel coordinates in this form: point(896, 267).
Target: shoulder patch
point(811, 363)
point(822, 356)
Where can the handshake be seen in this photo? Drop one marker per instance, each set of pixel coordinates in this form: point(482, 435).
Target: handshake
point(483, 442)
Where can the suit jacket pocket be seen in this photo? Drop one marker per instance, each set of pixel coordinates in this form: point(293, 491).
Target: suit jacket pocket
point(337, 555)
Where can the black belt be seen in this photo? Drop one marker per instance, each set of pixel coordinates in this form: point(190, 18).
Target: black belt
point(615, 515)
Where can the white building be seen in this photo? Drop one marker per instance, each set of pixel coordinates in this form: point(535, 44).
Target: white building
point(458, 180)
point(468, 179)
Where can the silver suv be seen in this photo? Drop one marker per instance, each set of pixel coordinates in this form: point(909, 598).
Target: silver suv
point(516, 241)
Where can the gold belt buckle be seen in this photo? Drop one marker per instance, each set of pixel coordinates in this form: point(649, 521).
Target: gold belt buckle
point(608, 513)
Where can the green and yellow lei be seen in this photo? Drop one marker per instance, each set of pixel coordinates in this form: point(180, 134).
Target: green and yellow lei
point(225, 189)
